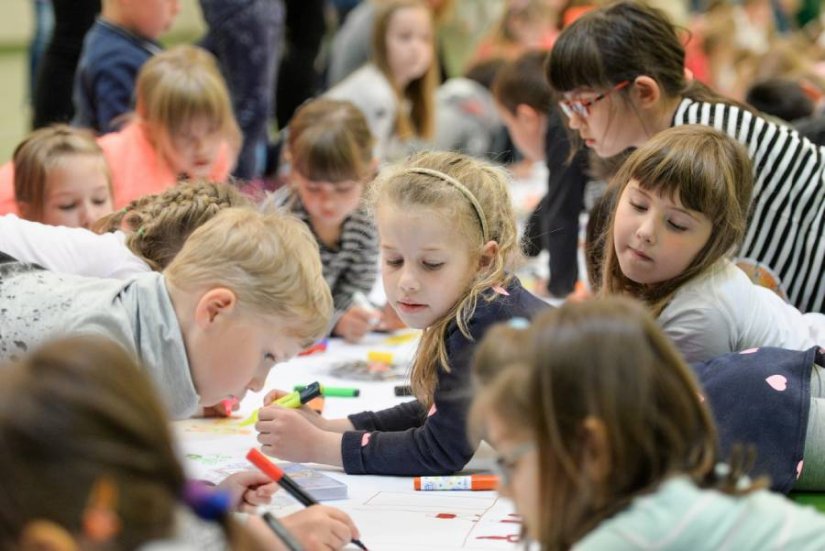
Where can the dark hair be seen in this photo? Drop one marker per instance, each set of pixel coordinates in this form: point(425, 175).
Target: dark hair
point(621, 42)
point(783, 98)
point(484, 72)
point(521, 82)
point(598, 222)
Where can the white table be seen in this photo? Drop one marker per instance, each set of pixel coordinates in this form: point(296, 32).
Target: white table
point(389, 513)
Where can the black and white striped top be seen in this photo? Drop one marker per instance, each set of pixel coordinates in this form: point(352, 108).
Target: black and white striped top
point(786, 231)
point(353, 265)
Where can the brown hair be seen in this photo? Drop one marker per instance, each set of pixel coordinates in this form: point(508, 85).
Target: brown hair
point(330, 141)
point(43, 150)
point(605, 359)
point(401, 186)
point(522, 82)
point(76, 412)
point(72, 412)
point(420, 120)
point(710, 173)
point(158, 225)
point(270, 261)
point(180, 84)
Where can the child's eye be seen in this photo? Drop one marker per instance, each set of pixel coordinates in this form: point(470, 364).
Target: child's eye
point(433, 265)
point(70, 206)
point(99, 202)
point(394, 262)
point(270, 357)
point(637, 206)
point(676, 226)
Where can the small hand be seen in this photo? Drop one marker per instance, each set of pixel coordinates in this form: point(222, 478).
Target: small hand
point(249, 489)
point(356, 322)
point(321, 528)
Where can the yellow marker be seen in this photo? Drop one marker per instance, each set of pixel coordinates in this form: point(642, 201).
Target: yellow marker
point(294, 399)
point(379, 357)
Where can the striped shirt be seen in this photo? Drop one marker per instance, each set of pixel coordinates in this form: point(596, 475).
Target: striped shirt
point(352, 265)
point(786, 231)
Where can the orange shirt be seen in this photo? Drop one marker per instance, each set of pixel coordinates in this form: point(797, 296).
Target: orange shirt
point(137, 168)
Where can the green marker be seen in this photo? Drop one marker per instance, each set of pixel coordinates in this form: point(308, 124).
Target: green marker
point(334, 391)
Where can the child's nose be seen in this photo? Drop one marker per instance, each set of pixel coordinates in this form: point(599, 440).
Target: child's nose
point(408, 282)
point(647, 230)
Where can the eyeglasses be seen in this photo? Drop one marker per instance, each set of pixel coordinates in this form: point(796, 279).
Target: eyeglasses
point(582, 107)
point(504, 465)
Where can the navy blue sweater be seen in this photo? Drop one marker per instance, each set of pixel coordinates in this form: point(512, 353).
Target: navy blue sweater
point(105, 80)
point(406, 440)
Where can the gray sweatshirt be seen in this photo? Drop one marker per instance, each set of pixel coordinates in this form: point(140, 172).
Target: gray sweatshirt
point(37, 305)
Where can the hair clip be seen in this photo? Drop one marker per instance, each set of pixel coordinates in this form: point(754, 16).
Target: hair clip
point(205, 501)
point(140, 231)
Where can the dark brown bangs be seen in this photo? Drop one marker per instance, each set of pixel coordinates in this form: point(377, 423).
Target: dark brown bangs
point(576, 60)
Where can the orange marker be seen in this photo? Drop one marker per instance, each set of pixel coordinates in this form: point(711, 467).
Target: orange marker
point(461, 482)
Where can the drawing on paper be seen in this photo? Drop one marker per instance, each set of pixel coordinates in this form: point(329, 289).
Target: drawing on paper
point(223, 427)
point(467, 522)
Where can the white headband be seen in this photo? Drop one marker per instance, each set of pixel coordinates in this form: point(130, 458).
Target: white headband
point(482, 220)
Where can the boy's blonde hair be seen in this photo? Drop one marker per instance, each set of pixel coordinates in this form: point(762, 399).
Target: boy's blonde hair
point(270, 261)
point(42, 151)
point(710, 173)
point(159, 224)
point(182, 83)
point(419, 119)
point(408, 185)
point(330, 141)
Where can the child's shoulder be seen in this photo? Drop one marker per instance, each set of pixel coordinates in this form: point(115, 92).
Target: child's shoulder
point(504, 303)
point(755, 521)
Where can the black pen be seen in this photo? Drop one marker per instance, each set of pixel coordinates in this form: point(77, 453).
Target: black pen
point(282, 533)
point(277, 474)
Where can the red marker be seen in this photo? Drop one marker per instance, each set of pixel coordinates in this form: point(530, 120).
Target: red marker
point(277, 474)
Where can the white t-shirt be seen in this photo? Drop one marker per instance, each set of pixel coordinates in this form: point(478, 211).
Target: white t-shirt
point(723, 311)
point(69, 250)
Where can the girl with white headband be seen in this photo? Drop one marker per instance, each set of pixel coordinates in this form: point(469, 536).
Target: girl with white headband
point(448, 239)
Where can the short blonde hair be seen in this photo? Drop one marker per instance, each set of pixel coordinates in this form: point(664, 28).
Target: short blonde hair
point(43, 150)
point(270, 261)
point(405, 186)
point(183, 83)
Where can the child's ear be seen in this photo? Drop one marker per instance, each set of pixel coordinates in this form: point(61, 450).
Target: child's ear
point(596, 449)
point(44, 535)
point(213, 305)
point(647, 91)
point(488, 255)
point(526, 114)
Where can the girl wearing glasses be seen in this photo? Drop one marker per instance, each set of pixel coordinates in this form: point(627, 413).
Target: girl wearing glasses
point(620, 71)
point(606, 440)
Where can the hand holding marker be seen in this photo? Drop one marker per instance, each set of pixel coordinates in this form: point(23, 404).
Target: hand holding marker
point(274, 472)
point(293, 400)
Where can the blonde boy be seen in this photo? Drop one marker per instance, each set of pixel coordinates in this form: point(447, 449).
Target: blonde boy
point(246, 291)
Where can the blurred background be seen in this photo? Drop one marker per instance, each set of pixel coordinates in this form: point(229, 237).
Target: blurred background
point(16, 29)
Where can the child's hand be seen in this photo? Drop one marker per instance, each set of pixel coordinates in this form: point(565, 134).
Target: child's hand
point(249, 489)
point(288, 434)
point(355, 323)
point(321, 528)
point(390, 320)
point(311, 415)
